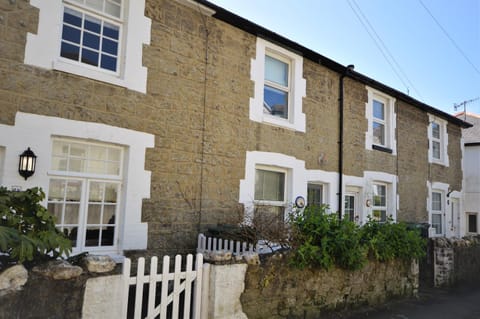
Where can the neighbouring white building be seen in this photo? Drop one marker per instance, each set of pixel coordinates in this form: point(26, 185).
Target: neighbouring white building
point(471, 173)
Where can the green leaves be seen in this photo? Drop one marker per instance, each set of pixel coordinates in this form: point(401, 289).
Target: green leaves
point(320, 239)
point(27, 229)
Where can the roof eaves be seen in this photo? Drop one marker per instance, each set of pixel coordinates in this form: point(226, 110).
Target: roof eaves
point(257, 30)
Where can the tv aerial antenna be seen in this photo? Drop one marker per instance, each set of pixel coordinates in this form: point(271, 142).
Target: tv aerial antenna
point(464, 104)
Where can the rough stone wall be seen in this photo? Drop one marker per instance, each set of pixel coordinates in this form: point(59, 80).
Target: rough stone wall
point(412, 161)
point(45, 298)
point(455, 261)
point(275, 290)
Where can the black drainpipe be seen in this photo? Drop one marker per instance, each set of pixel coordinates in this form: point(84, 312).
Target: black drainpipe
point(340, 141)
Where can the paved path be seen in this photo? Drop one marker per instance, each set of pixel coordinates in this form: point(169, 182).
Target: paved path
point(459, 303)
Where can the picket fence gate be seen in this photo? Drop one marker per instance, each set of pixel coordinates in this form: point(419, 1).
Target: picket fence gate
point(189, 282)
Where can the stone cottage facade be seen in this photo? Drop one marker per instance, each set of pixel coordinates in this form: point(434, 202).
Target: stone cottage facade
point(154, 120)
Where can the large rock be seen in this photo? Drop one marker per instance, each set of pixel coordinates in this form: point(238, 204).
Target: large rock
point(13, 279)
point(99, 264)
point(58, 270)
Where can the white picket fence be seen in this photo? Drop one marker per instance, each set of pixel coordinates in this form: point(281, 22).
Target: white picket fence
point(211, 244)
point(187, 282)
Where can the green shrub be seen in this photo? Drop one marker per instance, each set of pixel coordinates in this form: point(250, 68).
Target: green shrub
point(27, 229)
point(320, 239)
point(389, 240)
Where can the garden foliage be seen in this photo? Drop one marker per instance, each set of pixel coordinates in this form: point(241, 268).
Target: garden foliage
point(320, 239)
point(27, 229)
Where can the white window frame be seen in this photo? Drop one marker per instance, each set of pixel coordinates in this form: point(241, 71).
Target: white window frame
point(382, 208)
point(43, 49)
point(324, 191)
point(389, 121)
point(295, 180)
point(440, 212)
point(392, 198)
point(39, 130)
point(297, 87)
point(117, 21)
point(285, 186)
point(443, 140)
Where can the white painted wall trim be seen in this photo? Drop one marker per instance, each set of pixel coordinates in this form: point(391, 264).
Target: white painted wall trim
point(296, 178)
point(391, 181)
point(330, 182)
point(390, 119)
point(444, 138)
point(43, 49)
point(257, 75)
point(36, 131)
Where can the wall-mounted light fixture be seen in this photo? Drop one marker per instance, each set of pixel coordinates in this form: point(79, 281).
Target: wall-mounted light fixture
point(26, 164)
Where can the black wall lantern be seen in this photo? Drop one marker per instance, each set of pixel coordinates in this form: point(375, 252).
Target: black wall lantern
point(26, 165)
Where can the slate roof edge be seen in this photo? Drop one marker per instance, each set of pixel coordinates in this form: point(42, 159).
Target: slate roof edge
point(257, 30)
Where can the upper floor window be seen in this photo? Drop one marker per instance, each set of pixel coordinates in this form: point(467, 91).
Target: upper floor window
point(98, 39)
point(380, 113)
point(276, 92)
point(279, 87)
point(91, 33)
point(438, 140)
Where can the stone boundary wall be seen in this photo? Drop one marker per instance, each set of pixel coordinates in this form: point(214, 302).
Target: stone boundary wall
point(276, 290)
point(455, 260)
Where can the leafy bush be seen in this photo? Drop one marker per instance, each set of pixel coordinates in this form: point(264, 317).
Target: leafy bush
point(27, 229)
point(320, 239)
point(391, 240)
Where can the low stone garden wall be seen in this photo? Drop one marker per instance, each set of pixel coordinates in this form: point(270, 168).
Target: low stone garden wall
point(276, 290)
point(455, 260)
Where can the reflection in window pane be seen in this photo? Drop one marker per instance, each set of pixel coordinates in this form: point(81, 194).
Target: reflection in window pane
point(435, 130)
point(92, 236)
point(269, 185)
point(378, 133)
point(94, 213)
point(74, 190)
point(111, 193)
point(96, 192)
point(276, 71)
point(56, 210)
point(56, 189)
point(436, 150)
point(275, 102)
point(72, 212)
point(109, 214)
point(378, 110)
point(437, 223)
point(436, 201)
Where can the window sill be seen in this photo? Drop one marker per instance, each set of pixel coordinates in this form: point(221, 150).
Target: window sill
point(382, 149)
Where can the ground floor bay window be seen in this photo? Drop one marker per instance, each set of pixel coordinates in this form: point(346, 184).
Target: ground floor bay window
point(84, 192)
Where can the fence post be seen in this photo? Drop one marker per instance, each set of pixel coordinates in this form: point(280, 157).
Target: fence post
point(126, 286)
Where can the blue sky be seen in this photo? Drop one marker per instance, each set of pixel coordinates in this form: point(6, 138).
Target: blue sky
point(432, 69)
